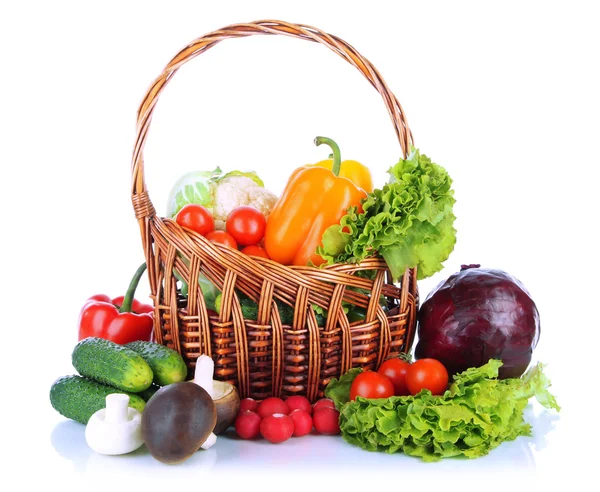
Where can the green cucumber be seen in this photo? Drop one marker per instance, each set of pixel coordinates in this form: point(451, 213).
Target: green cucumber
point(78, 398)
point(149, 392)
point(112, 364)
point(167, 364)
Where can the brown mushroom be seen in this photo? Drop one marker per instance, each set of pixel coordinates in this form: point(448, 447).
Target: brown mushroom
point(224, 395)
point(177, 421)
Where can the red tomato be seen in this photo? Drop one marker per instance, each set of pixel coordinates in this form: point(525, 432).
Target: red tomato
point(246, 225)
point(427, 374)
point(197, 218)
point(371, 384)
point(223, 238)
point(395, 370)
point(255, 250)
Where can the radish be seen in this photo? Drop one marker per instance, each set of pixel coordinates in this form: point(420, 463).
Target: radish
point(303, 422)
point(323, 402)
point(298, 402)
point(277, 428)
point(326, 420)
point(249, 404)
point(272, 405)
point(247, 424)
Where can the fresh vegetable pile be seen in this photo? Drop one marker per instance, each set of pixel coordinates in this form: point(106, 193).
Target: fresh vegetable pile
point(474, 415)
point(410, 221)
point(462, 392)
point(136, 369)
point(220, 193)
point(277, 420)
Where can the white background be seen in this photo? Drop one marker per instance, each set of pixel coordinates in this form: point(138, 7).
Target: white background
point(504, 95)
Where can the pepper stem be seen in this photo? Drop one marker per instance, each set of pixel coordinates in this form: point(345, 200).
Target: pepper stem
point(129, 295)
point(337, 159)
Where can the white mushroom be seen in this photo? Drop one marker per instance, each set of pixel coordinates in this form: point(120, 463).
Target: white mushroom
point(115, 429)
point(224, 395)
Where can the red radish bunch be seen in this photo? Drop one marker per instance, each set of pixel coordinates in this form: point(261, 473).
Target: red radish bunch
point(277, 420)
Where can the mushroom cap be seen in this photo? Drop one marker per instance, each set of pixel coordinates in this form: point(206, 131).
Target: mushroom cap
point(227, 403)
point(177, 420)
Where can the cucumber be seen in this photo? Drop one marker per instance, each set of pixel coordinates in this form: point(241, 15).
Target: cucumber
point(78, 398)
point(167, 364)
point(149, 392)
point(112, 364)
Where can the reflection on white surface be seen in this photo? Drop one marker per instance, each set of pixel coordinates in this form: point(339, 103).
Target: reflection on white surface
point(320, 455)
point(68, 439)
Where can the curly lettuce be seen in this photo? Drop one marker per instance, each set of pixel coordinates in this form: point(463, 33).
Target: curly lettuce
point(476, 414)
point(409, 222)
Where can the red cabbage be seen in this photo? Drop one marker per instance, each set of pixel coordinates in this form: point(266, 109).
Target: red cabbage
point(476, 315)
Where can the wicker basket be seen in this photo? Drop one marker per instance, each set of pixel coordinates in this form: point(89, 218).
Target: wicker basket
point(262, 357)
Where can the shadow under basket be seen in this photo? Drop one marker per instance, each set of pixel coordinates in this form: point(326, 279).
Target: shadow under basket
point(281, 330)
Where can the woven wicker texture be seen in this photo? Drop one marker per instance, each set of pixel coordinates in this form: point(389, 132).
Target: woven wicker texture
point(262, 356)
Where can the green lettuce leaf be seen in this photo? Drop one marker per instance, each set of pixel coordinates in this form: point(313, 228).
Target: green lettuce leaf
point(476, 414)
point(409, 222)
point(339, 389)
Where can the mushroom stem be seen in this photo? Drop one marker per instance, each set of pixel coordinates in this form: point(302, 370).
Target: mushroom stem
point(203, 374)
point(116, 408)
point(210, 440)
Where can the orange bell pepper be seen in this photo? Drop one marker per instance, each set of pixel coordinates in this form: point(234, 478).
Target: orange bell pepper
point(314, 199)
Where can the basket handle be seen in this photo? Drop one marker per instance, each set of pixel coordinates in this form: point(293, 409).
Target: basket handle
point(141, 201)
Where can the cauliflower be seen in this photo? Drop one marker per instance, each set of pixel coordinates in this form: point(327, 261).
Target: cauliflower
point(234, 191)
point(220, 193)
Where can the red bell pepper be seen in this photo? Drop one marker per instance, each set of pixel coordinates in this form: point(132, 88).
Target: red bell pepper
point(122, 320)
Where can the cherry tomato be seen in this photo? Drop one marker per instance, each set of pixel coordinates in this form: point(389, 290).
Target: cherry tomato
point(371, 384)
point(427, 374)
point(223, 238)
point(255, 250)
point(246, 225)
point(395, 370)
point(196, 217)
